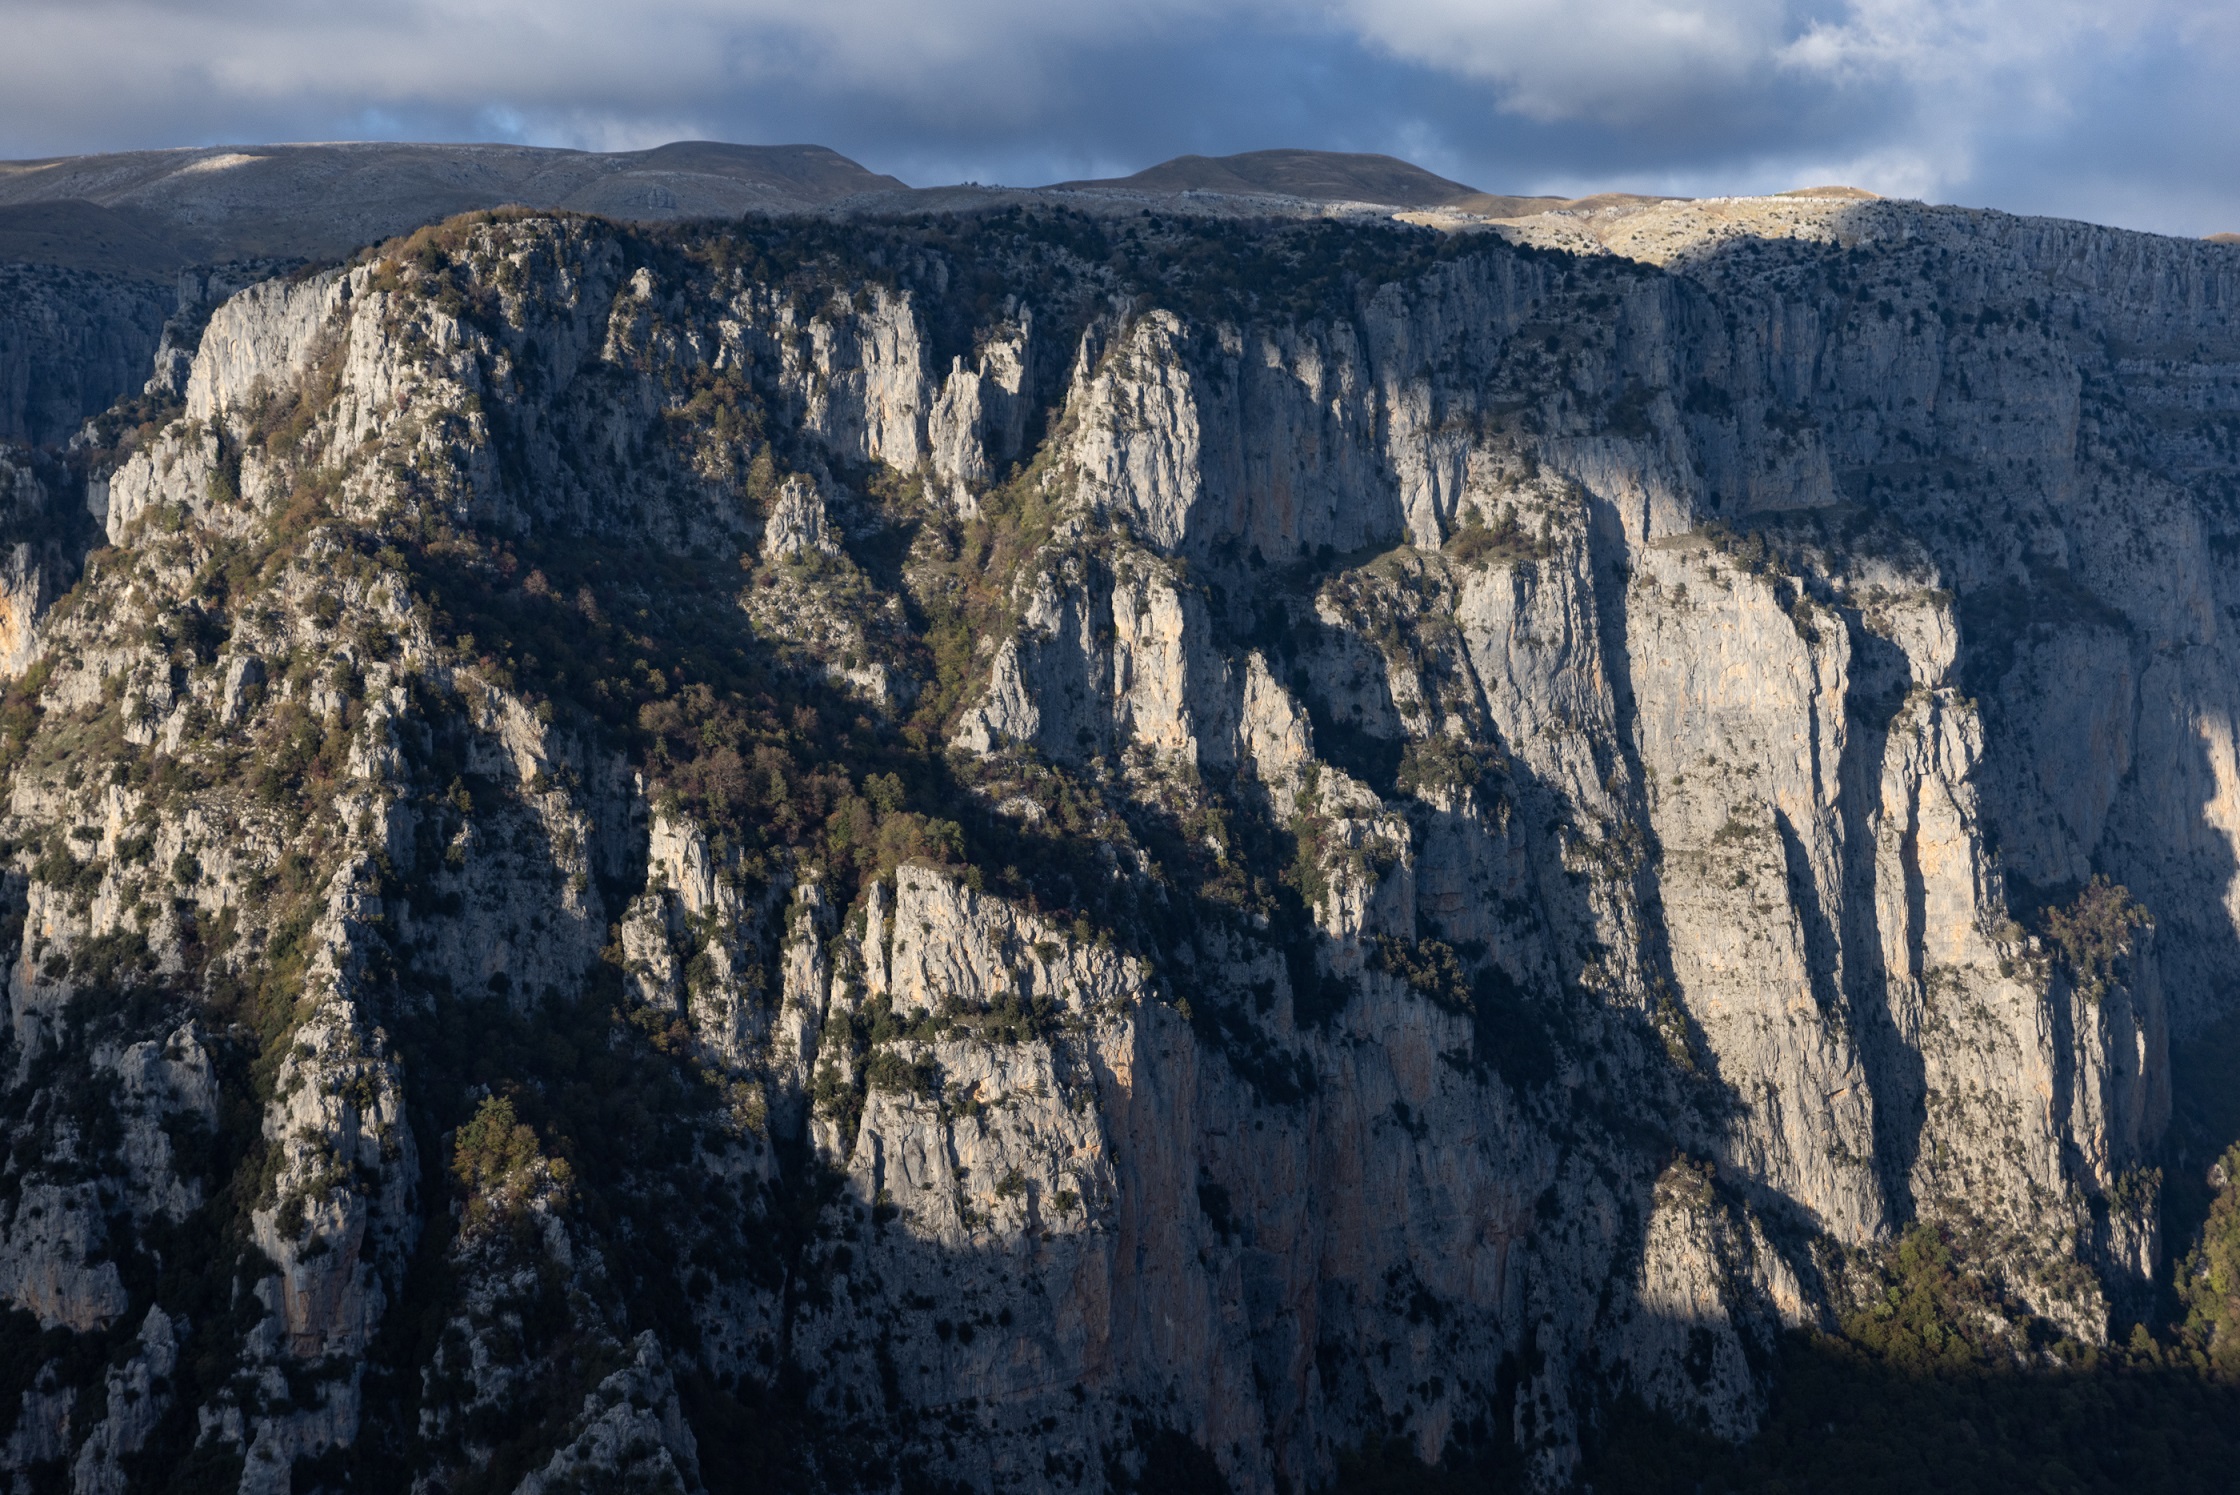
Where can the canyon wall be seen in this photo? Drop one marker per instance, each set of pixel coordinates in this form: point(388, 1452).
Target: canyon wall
point(1067, 854)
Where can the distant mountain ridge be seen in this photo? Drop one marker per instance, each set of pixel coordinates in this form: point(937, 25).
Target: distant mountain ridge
point(158, 211)
point(154, 213)
point(1329, 177)
point(1317, 176)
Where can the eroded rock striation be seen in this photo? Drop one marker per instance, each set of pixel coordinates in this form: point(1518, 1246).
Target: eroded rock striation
point(1065, 853)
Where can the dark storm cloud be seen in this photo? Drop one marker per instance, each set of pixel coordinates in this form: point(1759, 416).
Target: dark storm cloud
point(2049, 106)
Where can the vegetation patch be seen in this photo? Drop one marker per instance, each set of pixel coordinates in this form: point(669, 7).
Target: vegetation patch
point(2094, 934)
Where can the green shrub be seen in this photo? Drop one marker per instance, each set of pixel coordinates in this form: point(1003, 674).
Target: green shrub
point(1429, 966)
point(2094, 933)
point(2208, 1280)
point(894, 1074)
point(1439, 763)
point(498, 1163)
point(1503, 542)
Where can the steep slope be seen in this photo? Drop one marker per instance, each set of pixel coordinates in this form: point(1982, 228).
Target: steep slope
point(1059, 853)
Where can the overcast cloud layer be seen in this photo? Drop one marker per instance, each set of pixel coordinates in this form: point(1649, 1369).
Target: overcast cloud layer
point(2120, 111)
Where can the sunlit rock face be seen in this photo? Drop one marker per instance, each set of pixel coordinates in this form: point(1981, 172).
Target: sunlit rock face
point(1041, 851)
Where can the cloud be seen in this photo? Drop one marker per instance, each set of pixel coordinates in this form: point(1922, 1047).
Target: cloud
point(552, 54)
point(2005, 101)
point(2058, 105)
point(1997, 93)
point(1948, 41)
point(1619, 61)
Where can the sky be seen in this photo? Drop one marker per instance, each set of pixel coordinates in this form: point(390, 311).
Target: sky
point(2117, 113)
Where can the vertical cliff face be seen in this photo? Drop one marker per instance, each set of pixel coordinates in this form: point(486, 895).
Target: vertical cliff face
point(1059, 854)
point(72, 342)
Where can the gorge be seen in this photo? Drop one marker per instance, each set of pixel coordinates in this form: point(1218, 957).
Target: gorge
point(1088, 842)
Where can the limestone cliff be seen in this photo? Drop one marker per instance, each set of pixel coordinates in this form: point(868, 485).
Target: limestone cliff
point(1063, 853)
point(71, 343)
